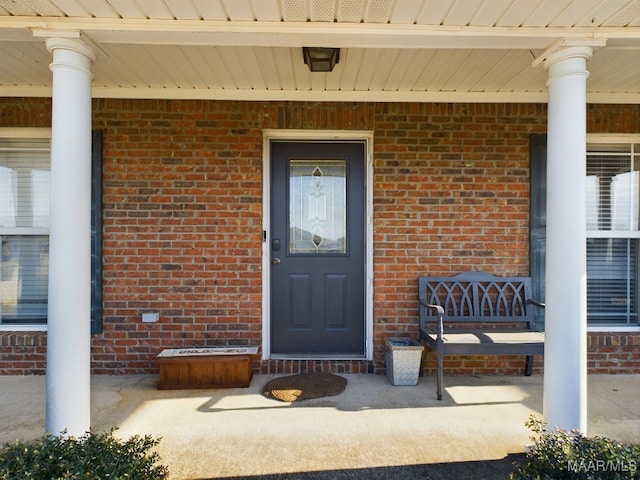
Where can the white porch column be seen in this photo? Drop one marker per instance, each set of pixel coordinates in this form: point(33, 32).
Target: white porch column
point(69, 316)
point(565, 359)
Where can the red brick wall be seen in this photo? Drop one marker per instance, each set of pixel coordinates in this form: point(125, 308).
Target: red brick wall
point(183, 219)
point(613, 352)
point(451, 190)
point(23, 353)
point(182, 185)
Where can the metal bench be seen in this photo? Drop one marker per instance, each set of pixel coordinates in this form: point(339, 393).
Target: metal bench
point(484, 315)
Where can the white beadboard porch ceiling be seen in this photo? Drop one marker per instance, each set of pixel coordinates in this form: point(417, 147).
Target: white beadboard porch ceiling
point(391, 50)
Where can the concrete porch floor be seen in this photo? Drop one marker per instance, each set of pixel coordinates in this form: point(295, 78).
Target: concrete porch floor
point(372, 430)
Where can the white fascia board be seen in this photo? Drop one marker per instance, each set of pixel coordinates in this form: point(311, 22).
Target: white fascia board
point(295, 34)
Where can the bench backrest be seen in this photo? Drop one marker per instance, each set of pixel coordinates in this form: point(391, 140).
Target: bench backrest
point(473, 297)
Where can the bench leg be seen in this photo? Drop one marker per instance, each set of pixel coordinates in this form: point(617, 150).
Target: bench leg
point(528, 366)
point(439, 361)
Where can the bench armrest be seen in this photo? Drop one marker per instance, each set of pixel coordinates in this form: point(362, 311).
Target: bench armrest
point(440, 322)
point(536, 303)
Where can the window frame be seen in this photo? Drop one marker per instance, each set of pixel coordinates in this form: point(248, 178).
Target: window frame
point(25, 134)
point(96, 226)
point(537, 220)
point(594, 138)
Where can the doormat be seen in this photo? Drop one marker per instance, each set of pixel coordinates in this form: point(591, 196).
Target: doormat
point(304, 386)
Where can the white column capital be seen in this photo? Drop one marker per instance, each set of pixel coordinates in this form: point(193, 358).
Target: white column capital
point(71, 53)
point(77, 45)
point(584, 46)
point(568, 61)
point(580, 52)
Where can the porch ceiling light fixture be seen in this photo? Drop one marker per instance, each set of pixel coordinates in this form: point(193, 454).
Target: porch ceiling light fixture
point(321, 59)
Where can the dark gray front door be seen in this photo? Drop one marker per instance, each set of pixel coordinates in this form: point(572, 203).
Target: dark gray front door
point(317, 246)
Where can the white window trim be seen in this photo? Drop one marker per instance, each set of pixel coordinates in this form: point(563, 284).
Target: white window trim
point(23, 328)
point(25, 133)
point(596, 328)
point(613, 138)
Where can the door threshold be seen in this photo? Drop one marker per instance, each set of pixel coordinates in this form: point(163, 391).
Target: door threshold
point(316, 356)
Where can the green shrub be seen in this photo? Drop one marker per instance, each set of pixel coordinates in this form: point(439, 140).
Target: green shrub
point(570, 455)
point(90, 457)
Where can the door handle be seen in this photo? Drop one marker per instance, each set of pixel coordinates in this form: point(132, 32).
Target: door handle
point(276, 261)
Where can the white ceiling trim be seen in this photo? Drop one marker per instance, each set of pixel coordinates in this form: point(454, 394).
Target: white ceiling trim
point(327, 95)
point(321, 95)
point(291, 95)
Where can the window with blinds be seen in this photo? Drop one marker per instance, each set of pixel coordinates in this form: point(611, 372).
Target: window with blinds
point(24, 230)
point(613, 186)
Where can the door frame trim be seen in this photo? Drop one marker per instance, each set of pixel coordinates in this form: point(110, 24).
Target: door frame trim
point(365, 136)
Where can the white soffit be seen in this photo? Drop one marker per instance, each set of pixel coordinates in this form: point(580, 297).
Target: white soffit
point(391, 50)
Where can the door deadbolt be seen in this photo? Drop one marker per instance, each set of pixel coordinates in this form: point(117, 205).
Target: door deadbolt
point(276, 261)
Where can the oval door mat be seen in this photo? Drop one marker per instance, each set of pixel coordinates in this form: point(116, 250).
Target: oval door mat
point(304, 386)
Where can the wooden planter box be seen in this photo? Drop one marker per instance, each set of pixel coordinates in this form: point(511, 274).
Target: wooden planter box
point(219, 367)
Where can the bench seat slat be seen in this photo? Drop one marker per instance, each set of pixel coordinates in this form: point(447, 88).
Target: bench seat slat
point(483, 343)
point(491, 337)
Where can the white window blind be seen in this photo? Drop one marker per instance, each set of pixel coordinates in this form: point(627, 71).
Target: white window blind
point(613, 185)
point(25, 180)
point(612, 292)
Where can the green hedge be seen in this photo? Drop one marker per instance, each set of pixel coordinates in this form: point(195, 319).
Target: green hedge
point(90, 457)
point(559, 455)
